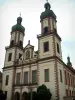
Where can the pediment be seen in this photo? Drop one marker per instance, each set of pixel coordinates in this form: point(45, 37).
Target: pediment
point(29, 46)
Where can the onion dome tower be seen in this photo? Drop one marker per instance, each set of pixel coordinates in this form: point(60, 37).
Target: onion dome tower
point(17, 34)
point(15, 48)
point(48, 20)
point(18, 26)
point(69, 62)
point(48, 12)
point(49, 34)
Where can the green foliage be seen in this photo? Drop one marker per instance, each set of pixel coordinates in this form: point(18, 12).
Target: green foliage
point(43, 93)
point(41, 87)
point(34, 95)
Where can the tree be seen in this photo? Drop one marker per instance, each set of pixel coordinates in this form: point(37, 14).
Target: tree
point(2, 95)
point(43, 93)
point(34, 95)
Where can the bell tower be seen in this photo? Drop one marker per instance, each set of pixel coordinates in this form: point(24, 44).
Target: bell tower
point(13, 52)
point(48, 20)
point(17, 34)
point(15, 48)
point(49, 41)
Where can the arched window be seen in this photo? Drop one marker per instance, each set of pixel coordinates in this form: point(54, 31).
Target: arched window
point(12, 42)
point(21, 44)
point(25, 96)
point(28, 54)
point(55, 30)
point(45, 30)
point(17, 96)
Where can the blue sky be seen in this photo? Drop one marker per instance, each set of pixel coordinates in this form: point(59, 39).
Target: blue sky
point(31, 10)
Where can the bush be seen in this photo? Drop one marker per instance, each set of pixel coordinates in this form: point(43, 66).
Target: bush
point(43, 93)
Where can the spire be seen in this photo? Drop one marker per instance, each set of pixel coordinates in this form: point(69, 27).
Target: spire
point(68, 61)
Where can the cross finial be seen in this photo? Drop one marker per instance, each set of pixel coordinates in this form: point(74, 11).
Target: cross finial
point(47, 0)
point(20, 14)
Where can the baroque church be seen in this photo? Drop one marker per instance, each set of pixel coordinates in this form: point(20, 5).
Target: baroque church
point(25, 69)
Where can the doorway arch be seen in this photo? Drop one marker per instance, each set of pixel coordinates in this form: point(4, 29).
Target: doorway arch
point(17, 96)
point(24, 96)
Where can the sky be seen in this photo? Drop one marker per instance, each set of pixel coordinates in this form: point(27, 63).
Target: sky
point(30, 12)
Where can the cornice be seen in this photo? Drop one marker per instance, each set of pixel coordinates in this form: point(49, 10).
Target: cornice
point(11, 47)
point(47, 34)
point(39, 60)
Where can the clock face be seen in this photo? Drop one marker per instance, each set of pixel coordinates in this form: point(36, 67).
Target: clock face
point(45, 23)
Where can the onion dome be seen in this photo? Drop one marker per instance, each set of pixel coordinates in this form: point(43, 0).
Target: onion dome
point(47, 12)
point(18, 26)
point(68, 61)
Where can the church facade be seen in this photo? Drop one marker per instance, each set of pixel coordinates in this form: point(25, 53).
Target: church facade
point(25, 69)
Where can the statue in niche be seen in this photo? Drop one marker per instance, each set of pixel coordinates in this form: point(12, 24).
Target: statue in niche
point(27, 54)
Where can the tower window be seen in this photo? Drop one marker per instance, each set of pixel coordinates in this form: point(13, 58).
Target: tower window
point(58, 50)
point(45, 30)
point(46, 46)
point(7, 79)
point(9, 56)
point(12, 42)
point(21, 44)
point(55, 30)
point(46, 71)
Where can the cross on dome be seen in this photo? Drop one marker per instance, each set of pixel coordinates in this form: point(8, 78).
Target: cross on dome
point(47, 0)
point(20, 14)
